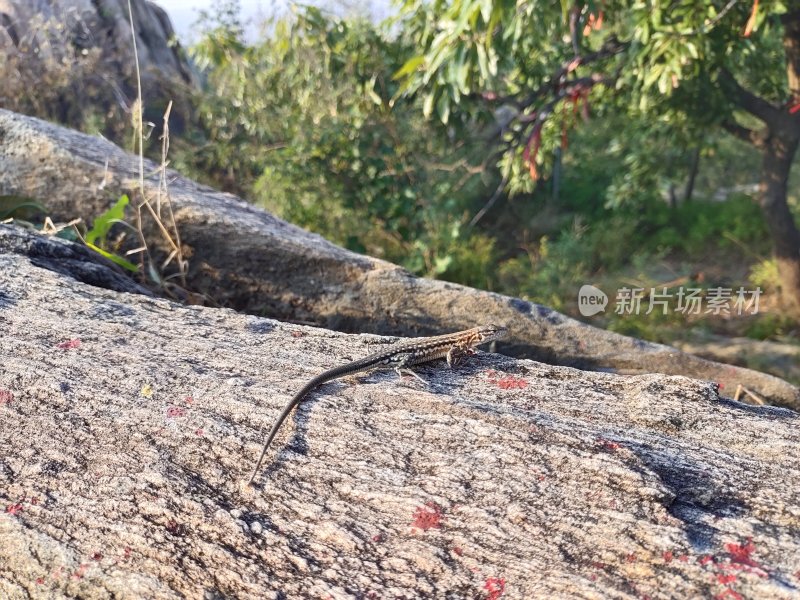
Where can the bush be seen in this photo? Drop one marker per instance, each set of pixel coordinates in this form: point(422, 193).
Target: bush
point(308, 124)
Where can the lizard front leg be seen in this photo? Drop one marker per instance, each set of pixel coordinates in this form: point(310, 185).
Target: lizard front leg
point(457, 352)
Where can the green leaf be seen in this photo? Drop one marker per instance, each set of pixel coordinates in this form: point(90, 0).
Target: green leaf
point(102, 224)
point(115, 258)
point(483, 62)
point(409, 67)
point(443, 108)
point(427, 105)
point(486, 10)
point(15, 205)
point(442, 263)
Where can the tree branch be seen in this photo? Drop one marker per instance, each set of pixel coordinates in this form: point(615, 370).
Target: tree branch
point(611, 47)
point(747, 100)
point(756, 138)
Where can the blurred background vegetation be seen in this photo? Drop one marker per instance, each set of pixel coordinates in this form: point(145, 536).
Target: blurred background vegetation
point(327, 122)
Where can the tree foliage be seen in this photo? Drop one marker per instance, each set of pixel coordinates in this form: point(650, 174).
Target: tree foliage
point(549, 63)
point(308, 122)
point(688, 68)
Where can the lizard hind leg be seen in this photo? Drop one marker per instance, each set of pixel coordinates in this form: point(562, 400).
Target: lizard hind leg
point(401, 370)
point(403, 367)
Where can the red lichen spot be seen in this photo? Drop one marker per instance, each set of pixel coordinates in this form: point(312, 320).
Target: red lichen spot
point(683, 558)
point(176, 411)
point(704, 560)
point(427, 517)
point(198, 432)
point(97, 556)
point(597, 564)
point(34, 500)
point(741, 553)
point(631, 557)
point(39, 580)
point(510, 383)
point(494, 586)
point(297, 334)
point(189, 400)
point(378, 538)
point(126, 553)
point(728, 592)
point(667, 556)
point(174, 527)
point(607, 444)
point(726, 579)
point(69, 344)
point(80, 571)
point(6, 397)
point(458, 551)
point(13, 509)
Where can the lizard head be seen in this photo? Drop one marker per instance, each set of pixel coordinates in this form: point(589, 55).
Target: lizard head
point(490, 333)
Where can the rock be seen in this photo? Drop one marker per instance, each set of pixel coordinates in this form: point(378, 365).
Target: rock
point(501, 477)
point(245, 258)
point(58, 34)
point(76, 261)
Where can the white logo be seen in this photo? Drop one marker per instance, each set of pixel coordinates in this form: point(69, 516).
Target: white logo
point(591, 300)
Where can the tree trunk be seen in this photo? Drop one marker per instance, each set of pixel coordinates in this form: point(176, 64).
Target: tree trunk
point(695, 167)
point(779, 152)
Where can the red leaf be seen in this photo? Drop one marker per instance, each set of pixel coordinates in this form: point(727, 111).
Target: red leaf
point(532, 149)
point(751, 22)
point(593, 23)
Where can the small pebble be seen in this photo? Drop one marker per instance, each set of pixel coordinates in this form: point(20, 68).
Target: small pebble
point(256, 528)
point(236, 513)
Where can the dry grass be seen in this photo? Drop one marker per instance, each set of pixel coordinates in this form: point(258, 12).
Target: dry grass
point(59, 70)
point(162, 213)
point(56, 71)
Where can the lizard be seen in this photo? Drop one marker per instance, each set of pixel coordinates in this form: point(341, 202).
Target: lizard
point(400, 357)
